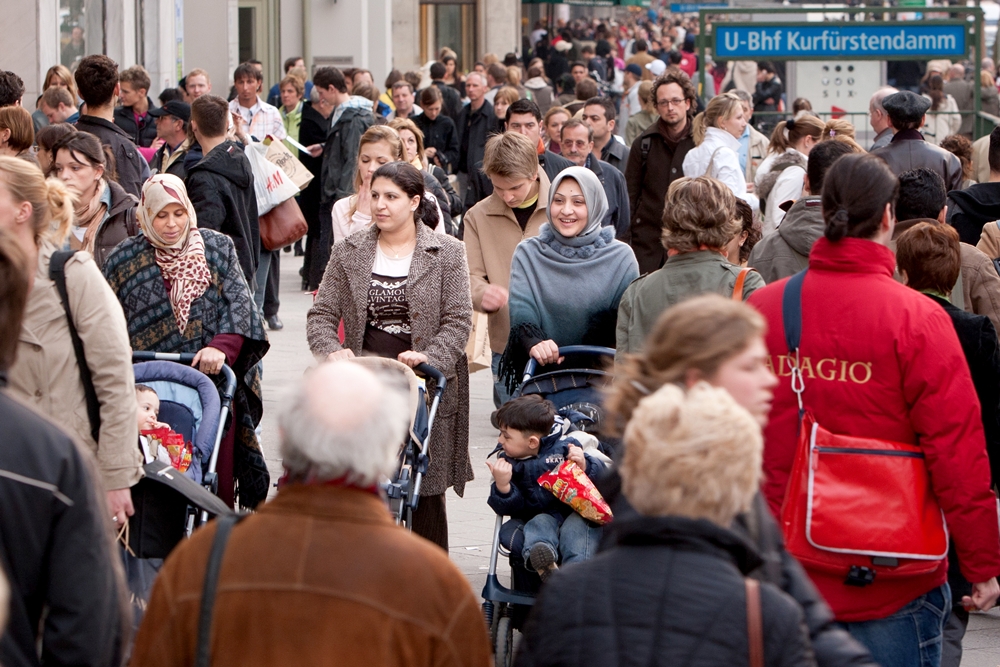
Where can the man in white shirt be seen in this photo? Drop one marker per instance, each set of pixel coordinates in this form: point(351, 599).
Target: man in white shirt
point(260, 118)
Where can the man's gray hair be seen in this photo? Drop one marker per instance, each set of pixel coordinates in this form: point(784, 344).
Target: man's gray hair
point(881, 94)
point(343, 422)
point(743, 95)
point(481, 77)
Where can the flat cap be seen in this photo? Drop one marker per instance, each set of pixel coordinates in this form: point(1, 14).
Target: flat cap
point(906, 106)
point(174, 108)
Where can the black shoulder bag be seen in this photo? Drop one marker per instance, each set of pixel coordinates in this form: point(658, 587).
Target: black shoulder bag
point(223, 527)
point(57, 274)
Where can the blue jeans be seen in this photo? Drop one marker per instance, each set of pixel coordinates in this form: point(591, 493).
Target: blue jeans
point(912, 637)
point(575, 540)
point(500, 394)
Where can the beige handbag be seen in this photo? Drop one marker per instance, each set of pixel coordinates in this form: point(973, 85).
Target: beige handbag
point(478, 348)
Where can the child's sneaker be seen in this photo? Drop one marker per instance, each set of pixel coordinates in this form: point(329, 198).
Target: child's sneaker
point(543, 560)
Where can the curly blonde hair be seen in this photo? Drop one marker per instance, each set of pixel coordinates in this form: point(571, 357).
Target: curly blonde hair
point(699, 212)
point(695, 454)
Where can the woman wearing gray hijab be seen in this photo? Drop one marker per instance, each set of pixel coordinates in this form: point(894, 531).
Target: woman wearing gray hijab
point(566, 282)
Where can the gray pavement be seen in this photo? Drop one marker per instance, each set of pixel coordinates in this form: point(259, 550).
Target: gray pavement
point(470, 520)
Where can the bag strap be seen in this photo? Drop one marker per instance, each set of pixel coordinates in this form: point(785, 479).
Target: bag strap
point(740, 280)
point(791, 317)
point(57, 274)
point(223, 527)
point(755, 623)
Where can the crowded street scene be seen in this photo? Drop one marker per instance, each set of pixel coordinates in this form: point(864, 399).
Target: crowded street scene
point(470, 333)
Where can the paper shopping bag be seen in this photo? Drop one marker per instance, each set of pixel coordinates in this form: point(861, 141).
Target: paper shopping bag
point(478, 347)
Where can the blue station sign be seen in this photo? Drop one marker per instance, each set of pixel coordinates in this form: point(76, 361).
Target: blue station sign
point(884, 41)
point(694, 7)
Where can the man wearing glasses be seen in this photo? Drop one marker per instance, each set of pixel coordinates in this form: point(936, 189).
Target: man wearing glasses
point(655, 161)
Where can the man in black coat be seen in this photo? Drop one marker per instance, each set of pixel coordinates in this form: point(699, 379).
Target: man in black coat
point(440, 133)
point(351, 118)
point(97, 80)
point(599, 115)
point(172, 120)
point(908, 150)
point(970, 209)
point(313, 130)
point(452, 107)
point(657, 160)
point(525, 118)
point(929, 258)
point(474, 125)
point(221, 187)
point(66, 590)
point(578, 147)
point(134, 115)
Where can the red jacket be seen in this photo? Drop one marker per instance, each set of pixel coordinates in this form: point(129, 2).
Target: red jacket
point(882, 360)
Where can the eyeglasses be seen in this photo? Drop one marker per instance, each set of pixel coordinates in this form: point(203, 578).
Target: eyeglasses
point(662, 104)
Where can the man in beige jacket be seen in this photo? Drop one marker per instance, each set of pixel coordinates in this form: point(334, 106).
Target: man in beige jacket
point(493, 228)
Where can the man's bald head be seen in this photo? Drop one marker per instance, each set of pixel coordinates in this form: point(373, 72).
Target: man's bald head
point(343, 422)
point(956, 73)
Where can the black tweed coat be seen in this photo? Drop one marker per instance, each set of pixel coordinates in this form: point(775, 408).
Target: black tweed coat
point(440, 303)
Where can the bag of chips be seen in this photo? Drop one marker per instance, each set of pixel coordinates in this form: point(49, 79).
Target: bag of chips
point(180, 452)
point(570, 484)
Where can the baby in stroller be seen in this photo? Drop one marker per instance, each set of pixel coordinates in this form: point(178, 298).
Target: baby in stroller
point(149, 409)
point(535, 440)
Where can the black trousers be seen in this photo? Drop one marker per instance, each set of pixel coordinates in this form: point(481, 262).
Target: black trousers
point(430, 521)
point(271, 301)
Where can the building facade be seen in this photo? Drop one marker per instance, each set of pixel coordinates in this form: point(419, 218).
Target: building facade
point(171, 37)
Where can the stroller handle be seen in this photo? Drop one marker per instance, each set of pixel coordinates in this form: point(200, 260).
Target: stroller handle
point(593, 350)
point(186, 358)
point(429, 371)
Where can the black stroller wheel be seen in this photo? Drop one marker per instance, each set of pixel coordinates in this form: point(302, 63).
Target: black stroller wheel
point(504, 641)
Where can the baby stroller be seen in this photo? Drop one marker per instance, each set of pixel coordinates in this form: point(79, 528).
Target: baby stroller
point(575, 385)
point(169, 504)
point(403, 488)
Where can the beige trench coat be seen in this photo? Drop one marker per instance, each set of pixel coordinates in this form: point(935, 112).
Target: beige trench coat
point(46, 374)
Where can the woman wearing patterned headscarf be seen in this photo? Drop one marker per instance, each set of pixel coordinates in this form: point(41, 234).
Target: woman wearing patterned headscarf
point(182, 291)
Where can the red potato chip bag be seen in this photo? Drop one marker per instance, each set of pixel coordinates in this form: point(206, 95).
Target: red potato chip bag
point(570, 484)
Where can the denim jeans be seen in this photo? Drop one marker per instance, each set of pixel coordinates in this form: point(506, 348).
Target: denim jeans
point(500, 394)
point(912, 637)
point(575, 540)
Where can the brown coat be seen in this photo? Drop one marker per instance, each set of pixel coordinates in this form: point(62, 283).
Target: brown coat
point(320, 576)
point(437, 292)
point(491, 234)
point(46, 374)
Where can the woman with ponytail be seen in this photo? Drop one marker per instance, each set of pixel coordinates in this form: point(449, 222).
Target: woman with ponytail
point(717, 133)
point(105, 214)
point(910, 385)
point(402, 292)
point(784, 176)
point(38, 213)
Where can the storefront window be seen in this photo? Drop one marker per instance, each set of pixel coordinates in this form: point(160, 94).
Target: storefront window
point(449, 24)
point(81, 30)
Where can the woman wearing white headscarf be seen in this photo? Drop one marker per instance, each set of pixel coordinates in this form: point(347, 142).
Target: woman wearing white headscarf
point(566, 282)
point(182, 291)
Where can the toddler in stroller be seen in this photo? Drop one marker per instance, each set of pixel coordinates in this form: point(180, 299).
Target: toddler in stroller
point(535, 440)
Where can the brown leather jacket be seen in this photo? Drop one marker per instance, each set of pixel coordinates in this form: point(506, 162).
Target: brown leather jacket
point(908, 150)
point(320, 576)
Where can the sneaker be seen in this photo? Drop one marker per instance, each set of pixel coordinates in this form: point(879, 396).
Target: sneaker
point(543, 559)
